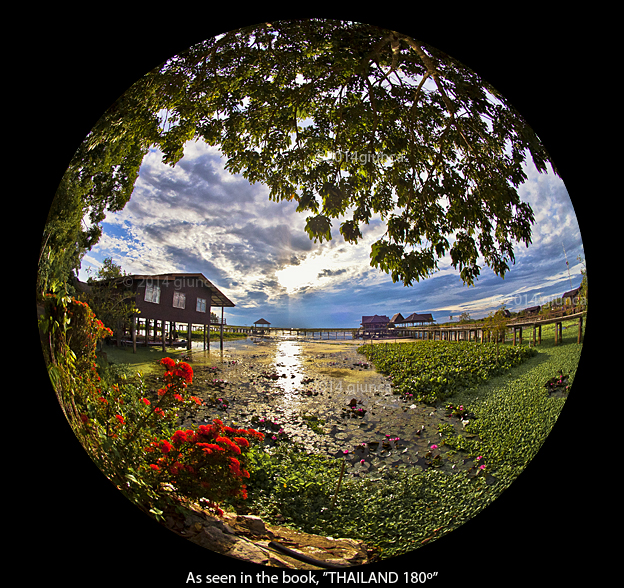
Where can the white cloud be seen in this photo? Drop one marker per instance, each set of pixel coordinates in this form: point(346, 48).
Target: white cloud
point(198, 217)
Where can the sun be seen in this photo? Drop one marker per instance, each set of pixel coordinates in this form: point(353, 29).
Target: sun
point(302, 275)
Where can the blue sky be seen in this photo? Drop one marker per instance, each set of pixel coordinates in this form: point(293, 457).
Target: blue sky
point(197, 217)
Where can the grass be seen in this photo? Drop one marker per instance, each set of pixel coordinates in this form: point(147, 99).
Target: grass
point(215, 335)
point(144, 360)
point(515, 413)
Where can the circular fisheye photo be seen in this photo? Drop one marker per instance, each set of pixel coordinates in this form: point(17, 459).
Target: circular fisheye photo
point(312, 295)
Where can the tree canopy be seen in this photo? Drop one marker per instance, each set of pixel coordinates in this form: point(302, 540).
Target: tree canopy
point(349, 121)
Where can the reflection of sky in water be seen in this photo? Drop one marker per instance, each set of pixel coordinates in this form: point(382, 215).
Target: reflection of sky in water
point(288, 361)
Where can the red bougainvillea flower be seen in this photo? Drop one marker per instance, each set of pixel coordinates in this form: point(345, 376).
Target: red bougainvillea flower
point(235, 448)
point(178, 397)
point(179, 437)
point(235, 466)
point(185, 371)
point(242, 442)
point(206, 431)
point(154, 467)
point(165, 446)
point(176, 467)
point(146, 401)
point(210, 447)
point(167, 362)
point(120, 418)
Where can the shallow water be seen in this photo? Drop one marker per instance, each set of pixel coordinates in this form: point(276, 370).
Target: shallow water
point(273, 383)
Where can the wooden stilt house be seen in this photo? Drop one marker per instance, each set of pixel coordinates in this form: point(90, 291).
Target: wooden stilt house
point(165, 301)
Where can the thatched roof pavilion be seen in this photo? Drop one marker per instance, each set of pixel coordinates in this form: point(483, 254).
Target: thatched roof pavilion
point(415, 318)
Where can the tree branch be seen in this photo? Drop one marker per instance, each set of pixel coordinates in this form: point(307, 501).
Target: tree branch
point(435, 74)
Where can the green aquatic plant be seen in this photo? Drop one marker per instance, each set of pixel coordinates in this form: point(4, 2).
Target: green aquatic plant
point(430, 371)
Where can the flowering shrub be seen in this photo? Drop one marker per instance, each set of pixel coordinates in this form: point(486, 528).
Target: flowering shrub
point(204, 462)
point(72, 334)
point(131, 439)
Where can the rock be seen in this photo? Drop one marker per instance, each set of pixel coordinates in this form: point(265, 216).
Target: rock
point(253, 523)
point(248, 551)
point(214, 539)
point(247, 537)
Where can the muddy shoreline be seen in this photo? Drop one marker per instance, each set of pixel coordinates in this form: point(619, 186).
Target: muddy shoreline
point(323, 395)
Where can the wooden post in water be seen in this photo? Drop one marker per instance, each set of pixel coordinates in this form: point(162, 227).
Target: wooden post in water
point(221, 334)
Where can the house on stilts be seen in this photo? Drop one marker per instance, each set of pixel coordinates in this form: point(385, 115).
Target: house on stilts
point(167, 301)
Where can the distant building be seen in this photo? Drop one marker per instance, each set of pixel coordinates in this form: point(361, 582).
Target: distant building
point(259, 326)
point(416, 319)
point(571, 297)
point(396, 319)
point(375, 325)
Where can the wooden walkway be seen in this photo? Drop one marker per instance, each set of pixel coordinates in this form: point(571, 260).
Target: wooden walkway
point(456, 332)
point(322, 333)
point(478, 331)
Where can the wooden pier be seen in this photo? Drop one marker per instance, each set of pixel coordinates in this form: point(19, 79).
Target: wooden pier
point(320, 333)
point(479, 331)
point(147, 331)
point(476, 331)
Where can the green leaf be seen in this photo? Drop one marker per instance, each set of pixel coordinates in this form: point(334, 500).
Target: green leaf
point(318, 227)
